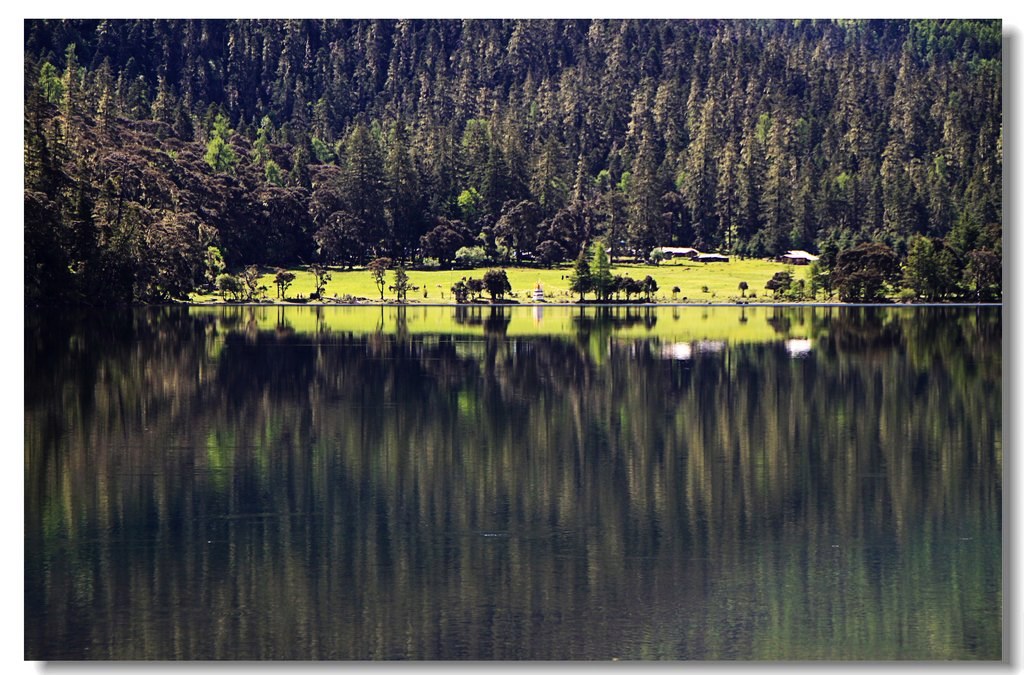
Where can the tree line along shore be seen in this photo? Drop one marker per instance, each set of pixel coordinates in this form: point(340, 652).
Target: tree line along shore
point(859, 276)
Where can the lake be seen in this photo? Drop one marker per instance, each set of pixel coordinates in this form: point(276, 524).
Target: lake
point(514, 483)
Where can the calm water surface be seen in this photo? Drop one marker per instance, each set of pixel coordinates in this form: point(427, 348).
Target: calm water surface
point(488, 483)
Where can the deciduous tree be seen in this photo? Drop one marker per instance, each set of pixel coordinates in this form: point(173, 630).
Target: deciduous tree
point(497, 284)
point(378, 268)
point(320, 278)
point(863, 272)
point(283, 279)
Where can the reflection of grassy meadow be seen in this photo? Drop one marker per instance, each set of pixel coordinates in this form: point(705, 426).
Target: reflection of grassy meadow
point(721, 280)
point(676, 324)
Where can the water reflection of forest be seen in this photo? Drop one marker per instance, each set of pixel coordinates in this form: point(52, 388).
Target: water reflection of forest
point(754, 500)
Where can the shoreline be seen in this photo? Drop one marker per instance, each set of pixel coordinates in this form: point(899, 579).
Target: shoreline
point(577, 305)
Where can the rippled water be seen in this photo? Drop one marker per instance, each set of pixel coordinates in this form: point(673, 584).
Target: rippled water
point(517, 483)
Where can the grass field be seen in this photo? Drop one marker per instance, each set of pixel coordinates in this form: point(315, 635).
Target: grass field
point(434, 286)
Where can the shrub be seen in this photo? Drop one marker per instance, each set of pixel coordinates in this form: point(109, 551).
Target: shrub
point(471, 256)
point(779, 283)
point(460, 291)
point(907, 295)
point(229, 285)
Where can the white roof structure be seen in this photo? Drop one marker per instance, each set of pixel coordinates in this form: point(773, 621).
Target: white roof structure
point(801, 255)
point(677, 250)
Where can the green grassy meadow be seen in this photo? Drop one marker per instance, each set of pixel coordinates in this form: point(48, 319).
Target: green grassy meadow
point(434, 286)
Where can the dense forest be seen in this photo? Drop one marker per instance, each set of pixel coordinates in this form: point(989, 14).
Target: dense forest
point(158, 151)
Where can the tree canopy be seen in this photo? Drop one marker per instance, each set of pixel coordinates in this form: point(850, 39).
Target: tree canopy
point(339, 141)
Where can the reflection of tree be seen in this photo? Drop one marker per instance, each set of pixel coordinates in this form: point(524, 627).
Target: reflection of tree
point(605, 319)
point(324, 494)
point(497, 321)
point(470, 315)
point(780, 321)
point(863, 329)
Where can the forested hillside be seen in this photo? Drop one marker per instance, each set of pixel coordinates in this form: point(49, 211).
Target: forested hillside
point(154, 147)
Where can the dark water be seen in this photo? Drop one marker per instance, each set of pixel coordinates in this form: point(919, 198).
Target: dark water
point(686, 483)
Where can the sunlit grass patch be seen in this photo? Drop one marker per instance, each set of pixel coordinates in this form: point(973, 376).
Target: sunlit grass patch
point(697, 282)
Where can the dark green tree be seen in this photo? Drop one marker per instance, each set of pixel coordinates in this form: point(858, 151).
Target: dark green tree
point(780, 283)
point(339, 240)
point(475, 287)
point(649, 287)
point(283, 279)
point(363, 189)
point(516, 229)
point(984, 275)
point(581, 279)
point(863, 273)
point(497, 284)
point(404, 203)
point(460, 292)
point(320, 278)
point(645, 222)
point(548, 177)
point(402, 284)
point(444, 240)
point(922, 270)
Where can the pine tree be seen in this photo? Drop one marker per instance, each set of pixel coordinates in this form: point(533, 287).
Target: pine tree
point(362, 185)
point(403, 202)
point(221, 157)
point(581, 280)
point(547, 180)
point(645, 224)
point(601, 280)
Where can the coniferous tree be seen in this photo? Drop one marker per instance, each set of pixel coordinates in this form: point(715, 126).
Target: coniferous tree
point(403, 202)
point(221, 157)
point(581, 278)
point(362, 187)
point(753, 136)
point(601, 280)
point(645, 225)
